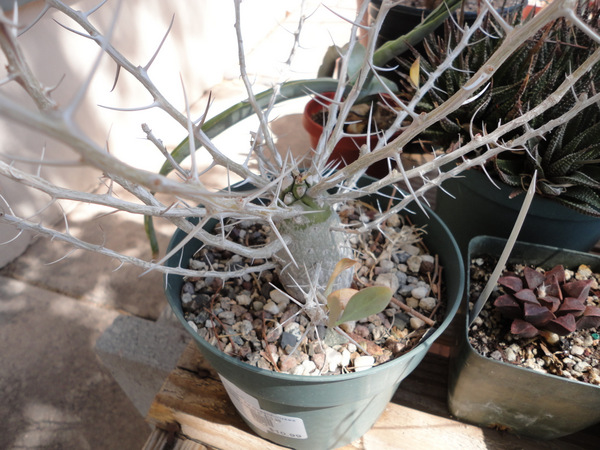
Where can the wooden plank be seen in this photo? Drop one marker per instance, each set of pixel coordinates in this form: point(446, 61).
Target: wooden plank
point(163, 440)
point(198, 407)
point(194, 406)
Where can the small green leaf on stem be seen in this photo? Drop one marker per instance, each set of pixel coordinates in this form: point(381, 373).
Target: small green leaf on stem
point(369, 301)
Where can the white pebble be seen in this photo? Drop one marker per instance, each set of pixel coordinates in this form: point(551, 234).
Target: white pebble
point(412, 302)
point(278, 297)
point(227, 317)
point(349, 326)
point(389, 280)
point(193, 325)
point(428, 303)
point(414, 263)
point(298, 370)
point(416, 323)
point(582, 366)
point(583, 272)
point(387, 265)
point(577, 350)
point(258, 306)
point(420, 292)
point(363, 363)
point(511, 356)
point(333, 359)
point(293, 328)
point(271, 307)
point(393, 221)
point(411, 249)
point(345, 358)
point(428, 258)
point(197, 264)
point(496, 355)
point(235, 258)
point(309, 366)
point(243, 299)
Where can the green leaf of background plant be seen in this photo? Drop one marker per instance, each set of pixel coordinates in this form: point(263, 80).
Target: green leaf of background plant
point(579, 178)
point(510, 171)
point(573, 161)
point(367, 302)
point(356, 61)
point(327, 67)
point(582, 199)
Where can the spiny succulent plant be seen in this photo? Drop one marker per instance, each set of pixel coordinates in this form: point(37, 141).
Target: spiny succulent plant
point(545, 303)
point(568, 157)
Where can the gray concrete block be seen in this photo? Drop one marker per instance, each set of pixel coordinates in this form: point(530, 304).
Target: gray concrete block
point(54, 391)
point(140, 354)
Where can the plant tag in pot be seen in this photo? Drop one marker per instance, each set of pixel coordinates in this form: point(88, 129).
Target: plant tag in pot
point(249, 408)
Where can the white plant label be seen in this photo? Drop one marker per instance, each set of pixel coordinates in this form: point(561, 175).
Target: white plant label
point(248, 406)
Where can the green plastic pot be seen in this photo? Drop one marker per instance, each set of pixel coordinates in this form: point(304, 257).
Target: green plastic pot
point(329, 411)
point(479, 208)
point(495, 394)
point(402, 19)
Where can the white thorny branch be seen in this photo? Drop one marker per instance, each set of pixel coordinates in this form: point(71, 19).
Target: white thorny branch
point(273, 169)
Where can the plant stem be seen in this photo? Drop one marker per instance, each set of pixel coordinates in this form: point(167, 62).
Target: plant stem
point(510, 243)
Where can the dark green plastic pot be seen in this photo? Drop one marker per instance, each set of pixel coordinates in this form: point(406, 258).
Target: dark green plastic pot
point(492, 393)
point(479, 208)
point(402, 19)
point(328, 411)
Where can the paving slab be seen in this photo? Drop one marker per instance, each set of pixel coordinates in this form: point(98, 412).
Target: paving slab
point(93, 277)
point(55, 392)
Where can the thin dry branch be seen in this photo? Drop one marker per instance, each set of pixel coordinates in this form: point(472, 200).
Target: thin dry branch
point(264, 203)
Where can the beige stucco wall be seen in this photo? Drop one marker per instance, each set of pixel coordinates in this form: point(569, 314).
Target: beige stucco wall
point(200, 50)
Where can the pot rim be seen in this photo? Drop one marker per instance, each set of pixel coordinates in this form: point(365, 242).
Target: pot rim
point(543, 207)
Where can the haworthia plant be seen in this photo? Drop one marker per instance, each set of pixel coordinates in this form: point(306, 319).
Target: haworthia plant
point(567, 157)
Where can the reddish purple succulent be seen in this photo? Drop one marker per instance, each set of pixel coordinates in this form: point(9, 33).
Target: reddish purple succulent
point(545, 302)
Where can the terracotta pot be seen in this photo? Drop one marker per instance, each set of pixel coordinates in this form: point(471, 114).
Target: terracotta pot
point(347, 149)
point(531, 10)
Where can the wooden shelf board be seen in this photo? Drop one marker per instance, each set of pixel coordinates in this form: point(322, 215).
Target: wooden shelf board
point(192, 412)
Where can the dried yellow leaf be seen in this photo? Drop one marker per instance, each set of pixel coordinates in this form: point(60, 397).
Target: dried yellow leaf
point(414, 72)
